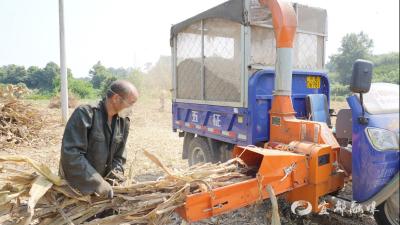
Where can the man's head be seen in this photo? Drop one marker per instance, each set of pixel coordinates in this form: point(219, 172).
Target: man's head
point(121, 95)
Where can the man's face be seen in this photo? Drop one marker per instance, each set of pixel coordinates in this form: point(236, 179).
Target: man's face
point(123, 102)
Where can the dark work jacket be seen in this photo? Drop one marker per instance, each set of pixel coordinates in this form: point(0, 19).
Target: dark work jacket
point(91, 149)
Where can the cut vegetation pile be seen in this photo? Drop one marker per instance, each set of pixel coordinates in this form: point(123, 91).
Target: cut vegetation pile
point(44, 198)
point(55, 102)
point(19, 122)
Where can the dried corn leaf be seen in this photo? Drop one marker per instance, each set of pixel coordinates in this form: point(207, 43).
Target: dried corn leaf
point(155, 160)
point(39, 187)
point(39, 167)
point(150, 202)
point(6, 197)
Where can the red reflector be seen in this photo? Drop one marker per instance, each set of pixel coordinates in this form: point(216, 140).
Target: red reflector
point(232, 134)
point(216, 131)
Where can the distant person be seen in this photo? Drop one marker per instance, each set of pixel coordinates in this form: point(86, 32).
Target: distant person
point(93, 145)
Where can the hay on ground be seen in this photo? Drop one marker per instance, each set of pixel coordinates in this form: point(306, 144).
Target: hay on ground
point(19, 122)
point(43, 198)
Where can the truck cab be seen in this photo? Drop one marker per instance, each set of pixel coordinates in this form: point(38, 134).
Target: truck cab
point(373, 140)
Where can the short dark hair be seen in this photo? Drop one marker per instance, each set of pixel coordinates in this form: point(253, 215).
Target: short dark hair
point(119, 87)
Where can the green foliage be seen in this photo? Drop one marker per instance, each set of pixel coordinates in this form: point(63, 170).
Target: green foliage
point(386, 68)
point(135, 76)
point(34, 77)
point(338, 98)
point(338, 89)
point(82, 88)
point(102, 77)
point(353, 46)
point(98, 74)
point(38, 95)
point(13, 74)
point(106, 83)
point(46, 81)
point(359, 46)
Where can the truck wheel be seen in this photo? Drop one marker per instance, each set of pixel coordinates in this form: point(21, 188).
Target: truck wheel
point(199, 151)
point(388, 211)
point(226, 152)
point(186, 142)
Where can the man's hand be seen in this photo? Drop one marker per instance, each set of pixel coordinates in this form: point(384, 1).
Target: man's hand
point(105, 190)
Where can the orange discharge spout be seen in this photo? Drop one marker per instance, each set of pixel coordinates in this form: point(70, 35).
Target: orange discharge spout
point(284, 20)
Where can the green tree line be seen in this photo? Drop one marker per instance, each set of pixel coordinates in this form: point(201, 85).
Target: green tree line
point(359, 46)
point(46, 81)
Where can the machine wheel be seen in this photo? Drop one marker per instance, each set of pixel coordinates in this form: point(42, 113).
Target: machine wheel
point(388, 213)
point(199, 151)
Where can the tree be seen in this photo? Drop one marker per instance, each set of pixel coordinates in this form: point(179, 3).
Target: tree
point(81, 88)
point(119, 72)
point(353, 46)
point(98, 74)
point(33, 78)
point(46, 79)
point(106, 83)
point(57, 81)
point(13, 74)
point(2, 73)
point(386, 68)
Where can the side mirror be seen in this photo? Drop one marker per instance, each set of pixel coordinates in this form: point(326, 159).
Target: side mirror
point(361, 83)
point(362, 76)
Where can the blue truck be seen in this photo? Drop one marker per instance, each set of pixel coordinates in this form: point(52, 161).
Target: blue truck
point(223, 75)
point(223, 64)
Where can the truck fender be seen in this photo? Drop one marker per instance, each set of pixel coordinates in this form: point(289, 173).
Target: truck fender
point(385, 193)
point(380, 197)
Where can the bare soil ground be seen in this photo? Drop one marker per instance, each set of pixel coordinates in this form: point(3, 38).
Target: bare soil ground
point(151, 130)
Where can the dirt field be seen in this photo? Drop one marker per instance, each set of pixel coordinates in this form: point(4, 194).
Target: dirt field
point(151, 130)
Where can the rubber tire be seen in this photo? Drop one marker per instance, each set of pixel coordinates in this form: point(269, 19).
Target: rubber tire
point(199, 145)
point(380, 215)
point(225, 152)
point(186, 142)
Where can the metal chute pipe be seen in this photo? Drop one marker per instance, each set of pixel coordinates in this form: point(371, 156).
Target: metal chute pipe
point(284, 21)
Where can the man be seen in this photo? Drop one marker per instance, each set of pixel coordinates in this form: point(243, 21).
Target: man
point(93, 145)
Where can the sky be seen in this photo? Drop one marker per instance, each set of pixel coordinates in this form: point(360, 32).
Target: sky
point(131, 33)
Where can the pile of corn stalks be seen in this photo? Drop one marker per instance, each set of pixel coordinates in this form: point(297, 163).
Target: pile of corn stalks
point(19, 122)
point(44, 198)
point(55, 102)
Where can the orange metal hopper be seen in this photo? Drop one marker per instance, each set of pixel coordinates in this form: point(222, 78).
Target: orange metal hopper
point(275, 168)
